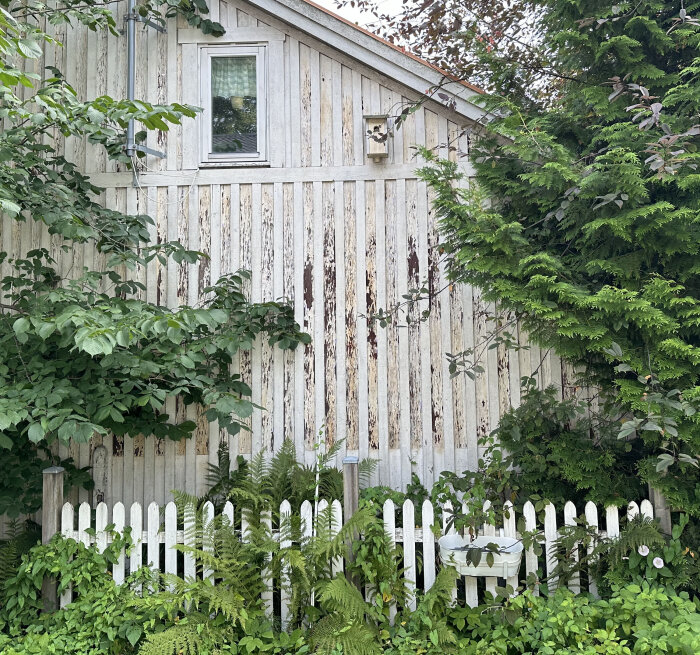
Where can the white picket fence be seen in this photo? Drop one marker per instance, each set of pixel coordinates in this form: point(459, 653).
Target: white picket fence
point(155, 528)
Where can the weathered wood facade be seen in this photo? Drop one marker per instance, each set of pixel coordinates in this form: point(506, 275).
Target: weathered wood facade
point(334, 232)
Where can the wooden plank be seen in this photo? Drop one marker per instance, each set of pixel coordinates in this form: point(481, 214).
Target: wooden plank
point(295, 94)
point(299, 281)
point(326, 109)
point(305, 158)
point(340, 364)
point(350, 369)
point(329, 311)
point(388, 273)
point(371, 306)
point(318, 289)
point(309, 294)
point(263, 273)
point(364, 349)
point(278, 283)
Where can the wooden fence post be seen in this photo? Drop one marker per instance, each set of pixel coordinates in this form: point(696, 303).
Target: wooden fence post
point(661, 511)
point(351, 501)
point(52, 504)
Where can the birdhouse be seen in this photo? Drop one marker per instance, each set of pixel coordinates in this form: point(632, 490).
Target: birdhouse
point(377, 135)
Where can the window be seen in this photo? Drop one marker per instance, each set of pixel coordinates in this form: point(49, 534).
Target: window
point(234, 122)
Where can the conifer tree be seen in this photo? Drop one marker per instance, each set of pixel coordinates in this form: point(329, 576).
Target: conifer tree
point(584, 217)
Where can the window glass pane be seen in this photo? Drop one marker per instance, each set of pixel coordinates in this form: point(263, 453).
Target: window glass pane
point(234, 122)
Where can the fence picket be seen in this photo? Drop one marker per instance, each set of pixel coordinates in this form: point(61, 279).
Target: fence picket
point(612, 522)
point(266, 520)
point(550, 536)
point(647, 509)
point(100, 525)
point(632, 511)
point(189, 523)
point(409, 551)
point(67, 523)
point(389, 516)
point(530, 556)
point(153, 543)
point(136, 524)
point(170, 538)
point(592, 520)
point(285, 542)
point(207, 535)
point(119, 520)
point(84, 520)
point(336, 524)
point(510, 530)
point(228, 512)
point(490, 531)
point(428, 518)
point(570, 520)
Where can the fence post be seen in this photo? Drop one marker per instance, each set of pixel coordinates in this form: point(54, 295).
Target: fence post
point(351, 486)
point(52, 504)
point(351, 501)
point(661, 511)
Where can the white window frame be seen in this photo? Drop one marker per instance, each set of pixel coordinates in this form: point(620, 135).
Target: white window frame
point(206, 54)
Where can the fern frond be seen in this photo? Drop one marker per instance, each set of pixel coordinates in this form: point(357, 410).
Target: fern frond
point(194, 636)
point(342, 597)
point(332, 633)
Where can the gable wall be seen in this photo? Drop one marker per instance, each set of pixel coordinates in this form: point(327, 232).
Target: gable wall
point(338, 236)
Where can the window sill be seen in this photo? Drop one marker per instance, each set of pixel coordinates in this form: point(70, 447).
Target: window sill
point(235, 164)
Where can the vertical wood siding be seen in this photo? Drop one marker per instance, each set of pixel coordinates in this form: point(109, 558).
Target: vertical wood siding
point(337, 235)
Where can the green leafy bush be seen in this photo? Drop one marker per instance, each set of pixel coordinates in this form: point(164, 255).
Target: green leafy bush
point(637, 619)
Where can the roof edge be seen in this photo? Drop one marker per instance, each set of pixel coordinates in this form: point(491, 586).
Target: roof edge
point(375, 52)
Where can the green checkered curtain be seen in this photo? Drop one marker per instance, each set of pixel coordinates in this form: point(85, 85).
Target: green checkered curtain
point(233, 77)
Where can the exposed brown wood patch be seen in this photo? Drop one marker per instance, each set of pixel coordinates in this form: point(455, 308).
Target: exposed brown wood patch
point(201, 433)
point(118, 446)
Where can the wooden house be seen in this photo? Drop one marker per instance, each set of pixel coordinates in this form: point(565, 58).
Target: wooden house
point(322, 214)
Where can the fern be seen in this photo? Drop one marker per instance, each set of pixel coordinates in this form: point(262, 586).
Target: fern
point(333, 634)
point(191, 637)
